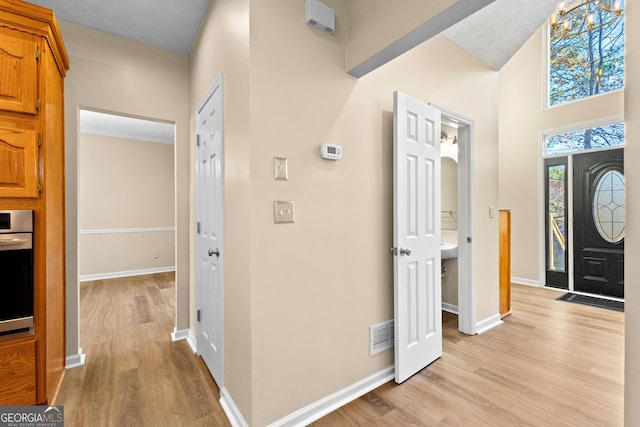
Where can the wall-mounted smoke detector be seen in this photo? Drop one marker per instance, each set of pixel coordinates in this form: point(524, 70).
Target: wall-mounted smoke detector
point(320, 16)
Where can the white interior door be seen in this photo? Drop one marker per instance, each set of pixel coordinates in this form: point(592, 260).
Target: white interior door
point(209, 227)
point(417, 292)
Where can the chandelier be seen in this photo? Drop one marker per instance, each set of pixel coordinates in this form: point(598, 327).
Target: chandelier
point(581, 16)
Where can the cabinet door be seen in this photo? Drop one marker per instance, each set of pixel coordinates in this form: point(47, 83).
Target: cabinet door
point(18, 78)
point(18, 373)
point(18, 163)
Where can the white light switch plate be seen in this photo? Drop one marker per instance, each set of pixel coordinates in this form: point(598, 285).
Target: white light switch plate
point(283, 211)
point(280, 170)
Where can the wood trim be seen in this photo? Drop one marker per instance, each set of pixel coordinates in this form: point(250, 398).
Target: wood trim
point(36, 20)
point(505, 263)
point(322, 407)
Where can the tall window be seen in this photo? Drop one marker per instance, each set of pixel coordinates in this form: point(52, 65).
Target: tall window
point(586, 49)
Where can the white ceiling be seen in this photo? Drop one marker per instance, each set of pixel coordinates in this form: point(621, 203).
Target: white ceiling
point(495, 33)
point(168, 24)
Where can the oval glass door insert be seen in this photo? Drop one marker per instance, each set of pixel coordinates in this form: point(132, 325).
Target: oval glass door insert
point(608, 206)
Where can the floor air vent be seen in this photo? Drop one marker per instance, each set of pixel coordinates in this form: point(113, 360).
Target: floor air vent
point(380, 337)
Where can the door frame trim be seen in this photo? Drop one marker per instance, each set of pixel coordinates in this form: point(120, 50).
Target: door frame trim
point(466, 278)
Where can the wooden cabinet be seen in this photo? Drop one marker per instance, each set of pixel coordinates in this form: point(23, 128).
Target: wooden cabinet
point(18, 372)
point(33, 64)
point(18, 84)
point(18, 163)
point(505, 263)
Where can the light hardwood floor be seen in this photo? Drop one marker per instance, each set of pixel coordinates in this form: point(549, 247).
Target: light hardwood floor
point(134, 375)
point(551, 363)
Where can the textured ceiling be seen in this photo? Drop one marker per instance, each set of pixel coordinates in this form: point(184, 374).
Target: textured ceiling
point(492, 34)
point(168, 24)
point(495, 33)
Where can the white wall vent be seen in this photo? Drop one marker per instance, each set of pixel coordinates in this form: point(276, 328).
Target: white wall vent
point(320, 16)
point(380, 337)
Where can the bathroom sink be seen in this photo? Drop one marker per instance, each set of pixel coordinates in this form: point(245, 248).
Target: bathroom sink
point(448, 250)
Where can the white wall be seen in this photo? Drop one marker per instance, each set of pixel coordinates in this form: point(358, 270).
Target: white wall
point(632, 242)
point(125, 184)
point(313, 288)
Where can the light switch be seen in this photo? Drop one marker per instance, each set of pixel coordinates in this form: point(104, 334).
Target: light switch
point(492, 212)
point(280, 172)
point(283, 211)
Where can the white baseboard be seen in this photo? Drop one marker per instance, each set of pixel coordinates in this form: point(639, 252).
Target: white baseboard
point(75, 360)
point(528, 282)
point(488, 323)
point(231, 410)
point(450, 308)
point(185, 334)
point(116, 274)
point(334, 401)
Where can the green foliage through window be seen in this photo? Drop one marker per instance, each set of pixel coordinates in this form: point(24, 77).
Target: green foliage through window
point(582, 61)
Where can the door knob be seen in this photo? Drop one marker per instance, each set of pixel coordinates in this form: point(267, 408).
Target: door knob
point(405, 251)
point(216, 253)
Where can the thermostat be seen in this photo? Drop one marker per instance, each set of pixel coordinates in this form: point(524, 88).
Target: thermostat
point(331, 152)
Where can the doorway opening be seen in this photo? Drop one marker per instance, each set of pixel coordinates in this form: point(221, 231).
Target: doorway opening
point(457, 219)
point(126, 198)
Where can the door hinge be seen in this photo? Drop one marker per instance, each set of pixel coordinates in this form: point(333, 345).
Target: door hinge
point(198, 315)
point(37, 54)
point(39, 187)
point(468, 239)
point(198, 140)
point(38, 104)
point(39, 141)
point(198, 227)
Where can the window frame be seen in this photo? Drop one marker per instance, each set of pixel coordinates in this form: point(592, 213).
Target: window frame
point(576, 127)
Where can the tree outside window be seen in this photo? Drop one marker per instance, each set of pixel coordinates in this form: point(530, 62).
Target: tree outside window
point(604, 136)
point(586, 50)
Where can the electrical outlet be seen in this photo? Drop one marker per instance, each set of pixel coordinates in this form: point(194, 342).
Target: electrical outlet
point(283, 211)
point(156, 255)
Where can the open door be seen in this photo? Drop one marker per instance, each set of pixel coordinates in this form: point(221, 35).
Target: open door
point(416, 200)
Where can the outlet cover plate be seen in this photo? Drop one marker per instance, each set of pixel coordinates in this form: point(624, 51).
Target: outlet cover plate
point(283, 211)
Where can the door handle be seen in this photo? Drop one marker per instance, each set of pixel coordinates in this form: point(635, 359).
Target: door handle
point(405, 251)
point(216, 253)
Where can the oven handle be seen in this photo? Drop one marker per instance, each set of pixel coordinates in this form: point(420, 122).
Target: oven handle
point(15, 242)
point(11, 242)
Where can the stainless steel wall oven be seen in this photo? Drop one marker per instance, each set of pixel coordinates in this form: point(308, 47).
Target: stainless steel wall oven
point(16, 273)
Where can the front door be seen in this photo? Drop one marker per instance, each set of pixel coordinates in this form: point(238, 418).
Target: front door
point(599, 226)
point(417, 292)
point(209, 226)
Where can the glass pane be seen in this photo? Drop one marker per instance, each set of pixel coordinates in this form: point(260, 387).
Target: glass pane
point(557, 218)
point(586, 139)
point(583, 61)
point(608, 206)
